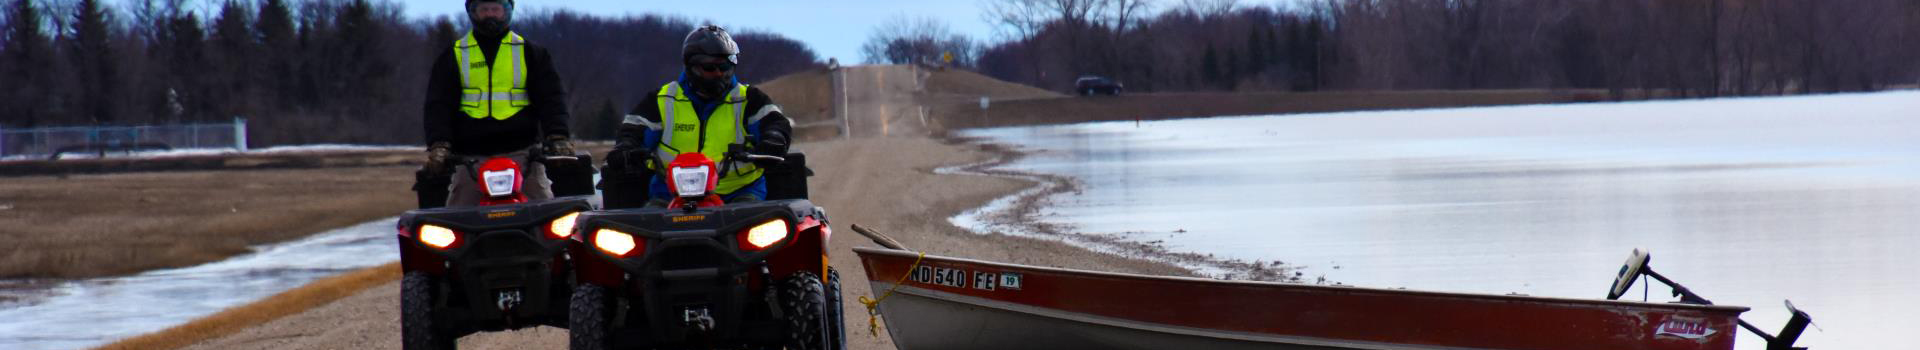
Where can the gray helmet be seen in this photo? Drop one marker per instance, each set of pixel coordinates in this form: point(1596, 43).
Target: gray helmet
point(709, 40)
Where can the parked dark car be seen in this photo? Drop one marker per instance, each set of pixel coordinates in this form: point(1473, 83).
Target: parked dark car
point(1090, 85)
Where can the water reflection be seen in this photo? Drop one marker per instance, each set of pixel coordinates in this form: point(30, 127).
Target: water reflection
point(1748, 201)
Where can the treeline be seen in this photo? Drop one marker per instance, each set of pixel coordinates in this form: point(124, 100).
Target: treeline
point(1672, 47)
point(313, 71)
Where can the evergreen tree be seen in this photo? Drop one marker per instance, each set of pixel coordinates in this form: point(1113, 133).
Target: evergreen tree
point(94, 61)
point(355, 53)
point(184, 51)
point(274, 31)
point(234, 48)
point(24, 57)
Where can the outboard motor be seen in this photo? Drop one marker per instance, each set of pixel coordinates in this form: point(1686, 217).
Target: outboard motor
point(1636, 266)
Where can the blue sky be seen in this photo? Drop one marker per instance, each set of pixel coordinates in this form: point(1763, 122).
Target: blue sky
point(833, 28)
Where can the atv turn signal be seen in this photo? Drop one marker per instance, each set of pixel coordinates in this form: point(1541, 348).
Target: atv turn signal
point(614, 242)
point(437, 237)
point(562, 227)
point(765, 235)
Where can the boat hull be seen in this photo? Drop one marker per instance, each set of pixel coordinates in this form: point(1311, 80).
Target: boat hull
point(948, 303)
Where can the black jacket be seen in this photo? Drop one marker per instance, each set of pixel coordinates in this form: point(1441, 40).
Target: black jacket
point(547, 115)
point(635, 141)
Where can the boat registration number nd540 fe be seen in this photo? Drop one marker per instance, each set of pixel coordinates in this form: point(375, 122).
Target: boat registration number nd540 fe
point(956, 278)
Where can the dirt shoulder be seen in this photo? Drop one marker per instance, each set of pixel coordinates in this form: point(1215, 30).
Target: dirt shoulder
point(887, 184)
point(206, 162)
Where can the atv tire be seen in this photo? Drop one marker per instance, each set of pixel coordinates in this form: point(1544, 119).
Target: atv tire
point(804, 299)
point(836, 322)
point(417, 328)
point(588, 323)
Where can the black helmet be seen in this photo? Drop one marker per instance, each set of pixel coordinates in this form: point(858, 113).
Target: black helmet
point(508, 3)
point(709, 40)
point(491, 28)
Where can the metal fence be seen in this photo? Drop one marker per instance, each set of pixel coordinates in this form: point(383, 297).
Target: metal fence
point(52, 142)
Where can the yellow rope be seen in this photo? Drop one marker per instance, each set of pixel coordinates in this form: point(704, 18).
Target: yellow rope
point(873, 305)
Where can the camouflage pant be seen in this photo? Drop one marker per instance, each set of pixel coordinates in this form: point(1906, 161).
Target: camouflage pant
point(465, 190)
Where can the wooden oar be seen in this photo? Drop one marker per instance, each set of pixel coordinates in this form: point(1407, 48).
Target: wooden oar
point(882, 239)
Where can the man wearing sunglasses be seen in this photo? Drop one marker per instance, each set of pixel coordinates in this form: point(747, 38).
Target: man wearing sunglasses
point(706, 110)
point(491, 94)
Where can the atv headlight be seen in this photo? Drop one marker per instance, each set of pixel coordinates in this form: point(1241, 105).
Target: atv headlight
point(764, 235)
point(499, 183)
point(562, 227)
point(691, 181)
point(438, 237)
point(614, 242)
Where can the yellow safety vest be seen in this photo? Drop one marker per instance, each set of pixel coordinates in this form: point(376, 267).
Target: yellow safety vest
point(685, 133)
point(486, 92)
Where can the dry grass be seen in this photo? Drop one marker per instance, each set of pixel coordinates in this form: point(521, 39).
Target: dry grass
point(80, 226)
point(808, 96)
point(284, 160)
point(280, 305)
point(805, 96)
point(965, 85)
point(102, 225)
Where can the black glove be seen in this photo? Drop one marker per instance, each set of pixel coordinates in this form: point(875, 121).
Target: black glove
point(622, 158)
point(774, 143)
point(632, 160)
point(557, 146)
point(437, 155)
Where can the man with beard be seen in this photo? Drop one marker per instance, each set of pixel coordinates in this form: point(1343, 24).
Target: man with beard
point(493, 94)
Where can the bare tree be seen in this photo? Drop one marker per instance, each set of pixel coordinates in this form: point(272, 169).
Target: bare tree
point(1209, 8)
point(1024, 18)
point(1125, 14)
point(903, 39)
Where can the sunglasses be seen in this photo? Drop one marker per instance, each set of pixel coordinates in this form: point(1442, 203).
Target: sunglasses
point(710, 64)
point(714, 67)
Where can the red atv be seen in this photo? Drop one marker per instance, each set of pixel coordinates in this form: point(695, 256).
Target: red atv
point(701, 273)
point(498, 266)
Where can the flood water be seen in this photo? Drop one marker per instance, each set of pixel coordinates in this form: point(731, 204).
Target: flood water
point(1746, 201)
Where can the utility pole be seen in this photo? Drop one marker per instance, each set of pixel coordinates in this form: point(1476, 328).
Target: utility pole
point(840, 88)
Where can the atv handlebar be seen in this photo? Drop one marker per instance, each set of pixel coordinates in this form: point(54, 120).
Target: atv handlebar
point(540, 158)
point(644, 159)
point(456, 160)
point(762, 158)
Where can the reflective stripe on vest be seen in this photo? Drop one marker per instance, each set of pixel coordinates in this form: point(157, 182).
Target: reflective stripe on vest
point(685, 133)
point(492, 93)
